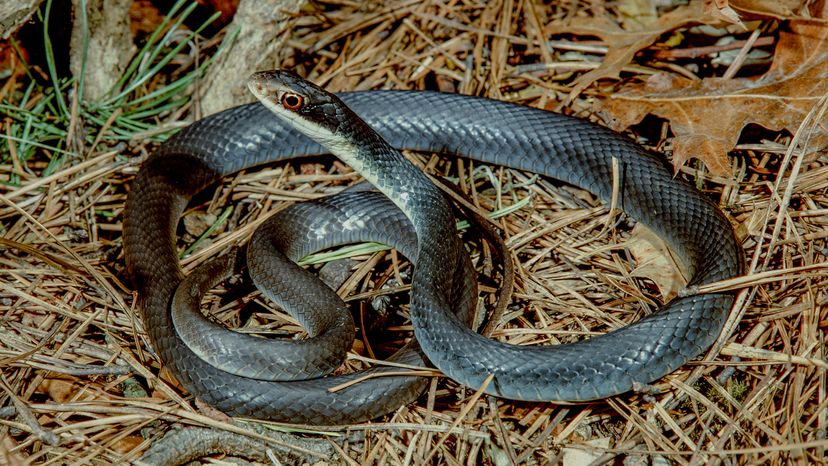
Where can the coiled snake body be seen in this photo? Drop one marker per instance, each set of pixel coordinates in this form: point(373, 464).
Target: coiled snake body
point(569, 149)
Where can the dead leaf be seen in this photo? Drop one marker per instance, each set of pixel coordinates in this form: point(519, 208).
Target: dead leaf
point(818, 9)
point(721, 10)
point(211, 412)
point(196, 223)
point(635, 13)
point(9, 451)
point(226, 7)
point(654, 261)
point(583, 457)
point(144, 17)
point(166, 376)
point(59, 390)
point(779, 9)
point(707, 116)
point(127, 444)
point(624, 44)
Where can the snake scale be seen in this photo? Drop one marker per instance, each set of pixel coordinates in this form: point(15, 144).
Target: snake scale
point(365, 129)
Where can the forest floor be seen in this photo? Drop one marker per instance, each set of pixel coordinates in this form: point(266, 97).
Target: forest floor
point(733, 94)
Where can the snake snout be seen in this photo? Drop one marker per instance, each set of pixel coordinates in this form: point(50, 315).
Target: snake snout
point(259, 84)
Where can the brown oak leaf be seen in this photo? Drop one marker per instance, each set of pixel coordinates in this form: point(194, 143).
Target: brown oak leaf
point(779, 9)
point(708, 115)
point(654, 261)
point(624, 44)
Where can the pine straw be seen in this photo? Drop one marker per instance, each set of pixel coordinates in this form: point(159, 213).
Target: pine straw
point(74, 352)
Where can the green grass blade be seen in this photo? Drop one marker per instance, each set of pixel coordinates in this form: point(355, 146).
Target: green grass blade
point(151, 41)
point(50, 61)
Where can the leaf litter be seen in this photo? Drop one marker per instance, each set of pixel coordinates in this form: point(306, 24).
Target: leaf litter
point(708, 115)
point(90, 391)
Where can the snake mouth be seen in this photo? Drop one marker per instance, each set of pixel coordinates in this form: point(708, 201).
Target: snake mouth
point(308, 108)
point(273, 85)
point(270, 89)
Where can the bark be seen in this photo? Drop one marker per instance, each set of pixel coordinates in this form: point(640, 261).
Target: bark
point(110, 44)
point(263, 27)
point(14, 14)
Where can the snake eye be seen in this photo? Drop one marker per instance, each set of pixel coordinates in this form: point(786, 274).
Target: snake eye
point(292, 101)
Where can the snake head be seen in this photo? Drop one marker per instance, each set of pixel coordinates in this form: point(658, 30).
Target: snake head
point(312, 110)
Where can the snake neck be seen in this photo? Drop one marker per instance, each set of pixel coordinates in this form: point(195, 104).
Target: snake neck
point(358, 145)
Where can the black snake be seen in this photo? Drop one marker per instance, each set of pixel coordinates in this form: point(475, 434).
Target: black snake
point(569, 149)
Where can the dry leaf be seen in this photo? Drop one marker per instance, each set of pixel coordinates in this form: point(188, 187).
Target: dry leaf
point(635, 13)
point(127, 444)
point(584, 457)
point(59, 390)
point(722, 10)
point(818, 9)
point(654, 261)
point(165, 375)
point(211, 412)
point(624, 44)
point(10, 453)
point(779, 9)
point(707, 116)
point(196, 223)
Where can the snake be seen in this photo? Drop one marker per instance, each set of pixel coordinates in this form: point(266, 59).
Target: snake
point(367, 130)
